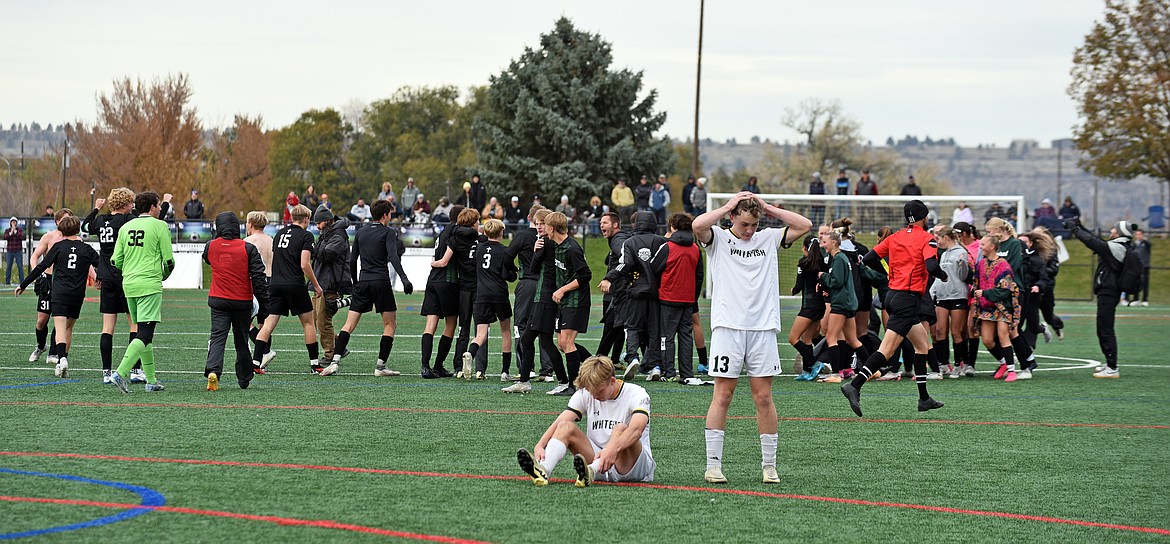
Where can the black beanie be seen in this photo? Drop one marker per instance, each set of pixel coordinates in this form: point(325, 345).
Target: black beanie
point(915, 210)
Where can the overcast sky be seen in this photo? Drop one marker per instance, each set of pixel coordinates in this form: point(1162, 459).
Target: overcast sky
point(980, 72)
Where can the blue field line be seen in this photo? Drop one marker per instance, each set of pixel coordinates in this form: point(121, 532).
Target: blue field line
point(149, 497)
point(58, 382)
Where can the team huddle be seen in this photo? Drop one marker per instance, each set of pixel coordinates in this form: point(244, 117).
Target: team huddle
point(930, 284)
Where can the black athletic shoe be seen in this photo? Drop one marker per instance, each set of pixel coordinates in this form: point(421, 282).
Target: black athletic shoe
point(441, 372)
point(428, 374)
point(244, 383)
point(928, 404)
point(854, 397)
point(566, 392)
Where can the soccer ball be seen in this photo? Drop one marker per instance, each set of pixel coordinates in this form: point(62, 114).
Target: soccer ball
point(194, 236)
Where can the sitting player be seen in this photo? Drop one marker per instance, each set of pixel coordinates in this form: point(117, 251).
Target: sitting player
point(616, 447)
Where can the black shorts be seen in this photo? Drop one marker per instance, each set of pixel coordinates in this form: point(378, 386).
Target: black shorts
point(903, 309)
point(576, 318)
point(487, 313)
point(926, 310)
point(113, 298)
point(441, 299)
point(71, 310)
point(865, 300)
point(814, 313)
point(44, 304)
point(373, 295)
point(290, 300)
point(847, 313)
point(543, 317)
point(43, 287)
point(954, 304)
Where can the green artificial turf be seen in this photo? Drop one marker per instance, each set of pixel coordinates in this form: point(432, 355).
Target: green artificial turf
point(438, 457)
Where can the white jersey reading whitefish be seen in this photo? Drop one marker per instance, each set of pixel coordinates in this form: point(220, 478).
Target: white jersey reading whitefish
point(745, 284)
point(602, 417)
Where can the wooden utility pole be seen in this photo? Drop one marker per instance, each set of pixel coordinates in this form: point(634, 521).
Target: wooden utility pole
point(698, 85)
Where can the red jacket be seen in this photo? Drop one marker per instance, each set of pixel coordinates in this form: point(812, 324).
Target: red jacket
point(682, 275)
point(237, 271)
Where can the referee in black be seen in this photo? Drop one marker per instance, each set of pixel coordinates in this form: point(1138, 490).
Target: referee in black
point(378, 246)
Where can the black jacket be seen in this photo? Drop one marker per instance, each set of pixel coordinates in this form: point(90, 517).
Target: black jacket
point(638, 251)
point(193, 209)
point(616, 289)
point(331, 259)
point(1035, 272)
point(642, 196)
point(1110, 255)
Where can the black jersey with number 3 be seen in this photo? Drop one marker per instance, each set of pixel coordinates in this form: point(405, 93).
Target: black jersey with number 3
point(287, 246)
point(493, 270)
point(70, 260)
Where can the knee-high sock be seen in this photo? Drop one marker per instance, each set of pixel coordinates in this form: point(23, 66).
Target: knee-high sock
point(920, 375)
point(573, 360)
point(428, 345)
point(806, 355)
point(52, 339)
point(385, 345)
point(314, 350)
point(714, 440)
point(42, 335)
point(444, 349)
point(339, 345)
point(875, 361)
point(137, 363)
point(972, 351)
point(768, 449)
point(834, 354)
point(1023, 350)
point(133, 353)
point(862, 355)
point(554, 451)
point(942, 350)
point(147, 358)
point(507, 364)
point(106, 346)
point(259, 351)
point(960, 347)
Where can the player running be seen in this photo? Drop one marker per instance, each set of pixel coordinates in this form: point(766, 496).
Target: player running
point(292, 264)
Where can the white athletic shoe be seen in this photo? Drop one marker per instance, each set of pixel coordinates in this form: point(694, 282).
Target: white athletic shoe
point(51, 360)
point(692, 381)
point(770, 475)
point(631, 369)
point(1024, 375)
point(329, 370)
point(505, 377)
point(467, 372)
point(654, 375)
point(383, 371)
point(714, 475)
point(267, 358)
point(560, 388)
point(107, 377)
point(1047, 332)
point(1107, 373)
point(62, 368)
point(36, 355)
point(518, 387)
point(137, 376)
point(1100, 367)
point(934, 375)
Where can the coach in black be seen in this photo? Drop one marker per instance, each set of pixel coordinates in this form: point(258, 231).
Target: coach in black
point(379, 248)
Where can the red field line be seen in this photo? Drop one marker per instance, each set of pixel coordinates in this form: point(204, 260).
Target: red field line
point(535, 413)
point(741, 492)
point(323, 524)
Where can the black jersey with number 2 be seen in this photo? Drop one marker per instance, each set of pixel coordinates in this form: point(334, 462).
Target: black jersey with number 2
point(70, 260)
point(287, 246)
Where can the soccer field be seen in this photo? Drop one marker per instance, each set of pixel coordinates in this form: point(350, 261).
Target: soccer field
point(303, 458)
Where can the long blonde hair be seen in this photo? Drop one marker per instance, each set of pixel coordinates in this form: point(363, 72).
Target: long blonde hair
point(999, 223)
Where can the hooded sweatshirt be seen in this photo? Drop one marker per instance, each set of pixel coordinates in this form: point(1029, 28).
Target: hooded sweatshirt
point(638, 252)
point(237, 271)
point(679, 269)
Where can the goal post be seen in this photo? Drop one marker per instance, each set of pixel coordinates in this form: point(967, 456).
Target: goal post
point(871, 213)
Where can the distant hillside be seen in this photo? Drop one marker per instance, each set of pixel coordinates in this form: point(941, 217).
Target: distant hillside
point(1023, 168)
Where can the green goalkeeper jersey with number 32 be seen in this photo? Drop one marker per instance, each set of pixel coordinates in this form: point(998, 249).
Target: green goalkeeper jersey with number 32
point(143, 254)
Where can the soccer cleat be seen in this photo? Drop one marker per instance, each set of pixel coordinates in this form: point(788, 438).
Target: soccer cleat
point(691, 381)
point(563, 390)
point(959, 371)
point(383, 371)
point(427, 373)
point(557, 389)
point(154, 387)
point(934, 375)
point(315, 369)
point(213, 382)
point(36, 355)
point(804, 376)
point(831, 378)
point(714, 475)
point(632, 369)
point(329, 370)
point(267, 358)
point(51, 360)
point(532, 468)
point(518, 387)
point(1003, 368)
point(1025, 374)
point(770, 475)
point(479, 375)
point(137, 376)
point(1060, 334)
point(1047, 332)
point(968, 371)
point(585, 472)
point(701, 369)
point(654, 375)
point(106, 377)
point(1107, 373)
point(817, 368)
point(257, 369)
point(890, 377)
point(847, 373)
point(442, 372)
point(547, 378)
point(61, 370)
point(854, 397)
point(928, 404)
point(505, 377)
point(1010, 377)
point(121, 382)
point(466, 373)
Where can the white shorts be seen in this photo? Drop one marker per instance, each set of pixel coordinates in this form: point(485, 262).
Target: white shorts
point(643, 470)
point(731, 350)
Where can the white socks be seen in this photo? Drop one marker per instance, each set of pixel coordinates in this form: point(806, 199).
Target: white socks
point(554, 451)
point(768, 449)
point(715, 447)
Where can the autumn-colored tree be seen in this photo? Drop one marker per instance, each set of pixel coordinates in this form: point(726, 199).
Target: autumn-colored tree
point(146, 137)
point(235, 174)
point(1121, 84)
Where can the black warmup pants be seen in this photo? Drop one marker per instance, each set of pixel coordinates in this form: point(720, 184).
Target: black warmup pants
point(1048, 309)
point(1106, 314)
point(237, 316)
point(676, 320)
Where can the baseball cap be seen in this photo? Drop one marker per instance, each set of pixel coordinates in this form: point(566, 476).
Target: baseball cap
point(515, 198)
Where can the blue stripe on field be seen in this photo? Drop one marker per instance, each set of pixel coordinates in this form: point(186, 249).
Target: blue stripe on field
point(149, 497)
point(58, 382)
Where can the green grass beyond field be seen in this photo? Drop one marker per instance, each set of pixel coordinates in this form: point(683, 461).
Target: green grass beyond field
point(302, 458)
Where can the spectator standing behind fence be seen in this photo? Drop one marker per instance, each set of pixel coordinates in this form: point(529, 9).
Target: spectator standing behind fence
point(962, 214)
point(464, 199)
point(409, 193)
point(816, 210)
point(911, 188)
point(842, 185)
point(359, 212)
point(387, 190)
point(592, 215)
point(15, 238)
point(493, 210)
point(1069, 210)
point(310, 199)
point(752, 185)
point(193, 209)
point(866, 186)
point(699, 198)
point(566, 208)
point(642, 194)
point(479, 194)
point(623, 200)
point(514, 217)
point(659, 200)
point(686, 195)
point(1141, 246)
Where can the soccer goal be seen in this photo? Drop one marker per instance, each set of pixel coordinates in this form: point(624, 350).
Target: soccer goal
point(870, 213)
